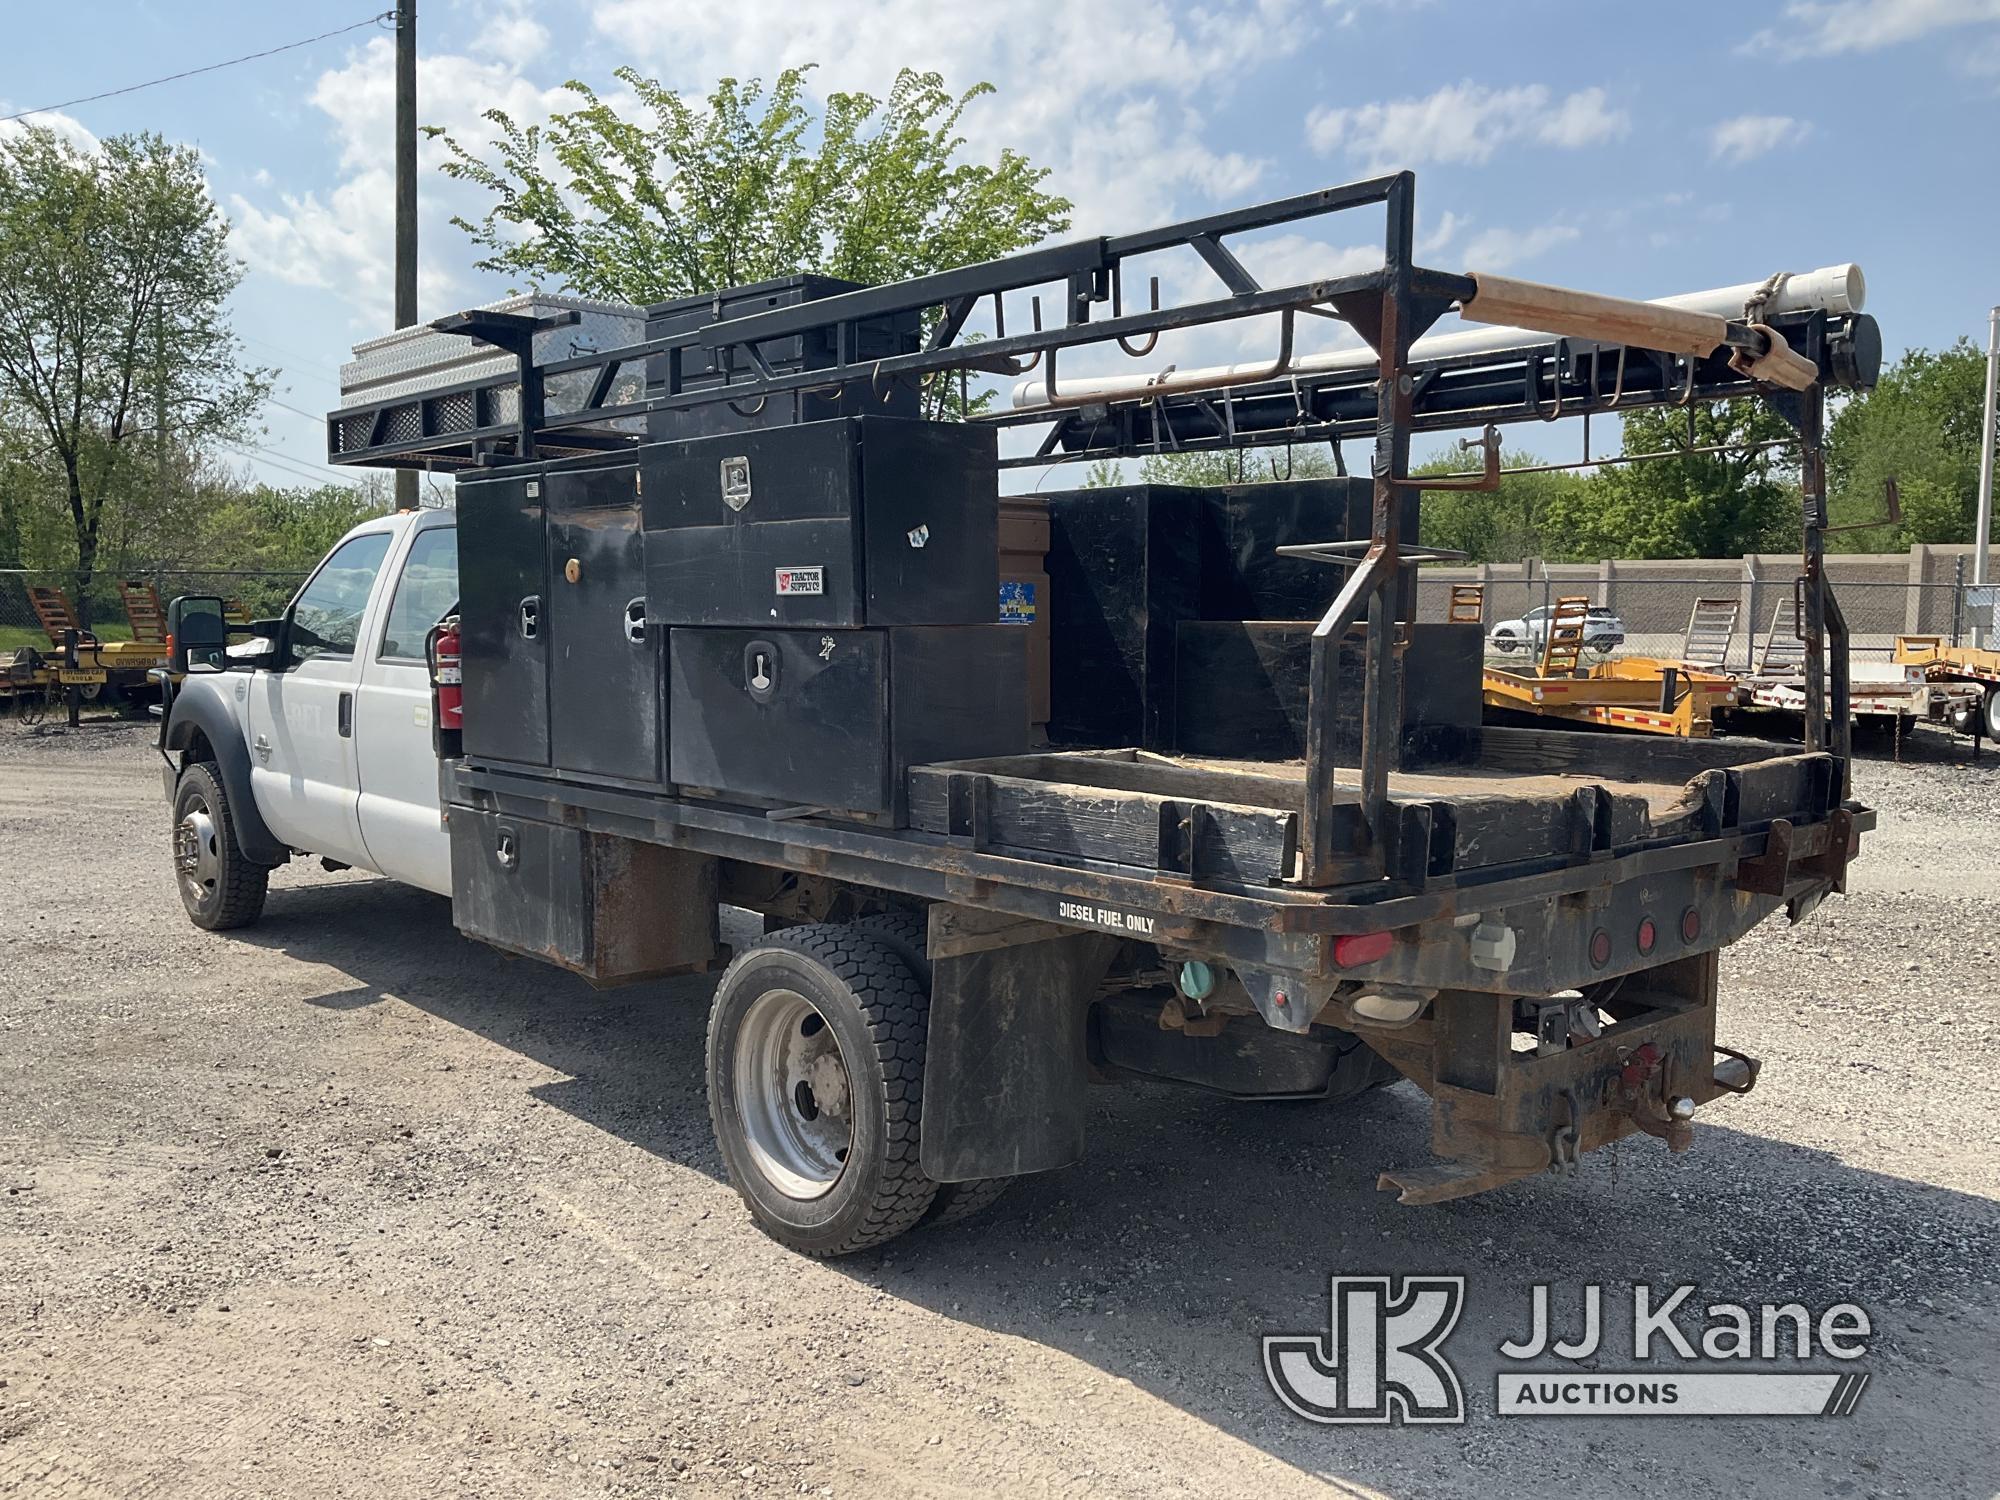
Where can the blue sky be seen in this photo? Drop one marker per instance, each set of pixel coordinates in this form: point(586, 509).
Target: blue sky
point(1641, 150)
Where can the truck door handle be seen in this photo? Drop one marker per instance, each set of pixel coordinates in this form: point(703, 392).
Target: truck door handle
point(635, 621)
point(531, 617)
point(347, 716)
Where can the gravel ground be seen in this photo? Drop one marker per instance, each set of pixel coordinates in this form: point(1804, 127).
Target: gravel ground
point(344, 1204)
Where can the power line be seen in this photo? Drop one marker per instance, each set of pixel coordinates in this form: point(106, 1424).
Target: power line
point(374, 20)
point(279, 461)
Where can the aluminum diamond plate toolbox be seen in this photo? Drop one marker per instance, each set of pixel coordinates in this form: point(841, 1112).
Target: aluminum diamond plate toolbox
point(417, 360)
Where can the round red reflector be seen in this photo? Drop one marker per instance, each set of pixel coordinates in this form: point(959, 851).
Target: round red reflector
point(1600, 947)
point(1690, 925)
point(1648, 934)
point(1362, 948)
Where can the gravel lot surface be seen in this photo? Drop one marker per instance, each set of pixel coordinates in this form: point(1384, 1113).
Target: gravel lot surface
point(344, 1204)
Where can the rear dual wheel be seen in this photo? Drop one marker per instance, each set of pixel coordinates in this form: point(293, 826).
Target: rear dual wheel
point(815, 1086)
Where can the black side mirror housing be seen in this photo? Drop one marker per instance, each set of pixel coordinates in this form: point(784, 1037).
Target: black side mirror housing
point(197, 633)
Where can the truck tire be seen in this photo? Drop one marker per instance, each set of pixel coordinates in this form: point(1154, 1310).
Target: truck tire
point(220, 887)
point(906, 934)
point(1993, 714)
point(816, 1088)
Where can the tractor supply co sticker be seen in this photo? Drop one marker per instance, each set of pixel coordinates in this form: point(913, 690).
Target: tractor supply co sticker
point(802, 580)
point(1017, 602)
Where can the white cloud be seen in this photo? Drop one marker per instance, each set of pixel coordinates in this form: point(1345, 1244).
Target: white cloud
point(1824, 28)
point(1748, 137)
point(1497, 249)
point(1116, 105)
point(68, 127)
point(344, 239)
point(1463, 122)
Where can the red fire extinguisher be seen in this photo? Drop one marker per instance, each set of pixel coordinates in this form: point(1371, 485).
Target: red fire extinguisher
point(447, 675)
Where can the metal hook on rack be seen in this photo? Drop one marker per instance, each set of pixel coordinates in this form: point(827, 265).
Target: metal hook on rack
point(761, 402)
point(1118, 311)
point(1618, 378)
point(1021, 366)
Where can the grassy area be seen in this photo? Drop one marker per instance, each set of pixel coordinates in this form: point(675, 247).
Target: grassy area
point(13, 637)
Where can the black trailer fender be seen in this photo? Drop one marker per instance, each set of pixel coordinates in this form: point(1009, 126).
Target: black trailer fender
point(193, 713)
point(1007, 1066)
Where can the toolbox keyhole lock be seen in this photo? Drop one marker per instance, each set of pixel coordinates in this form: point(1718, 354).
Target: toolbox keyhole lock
point(760, 671)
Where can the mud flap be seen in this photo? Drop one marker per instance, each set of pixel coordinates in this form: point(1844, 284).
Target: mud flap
point(1007, 1066)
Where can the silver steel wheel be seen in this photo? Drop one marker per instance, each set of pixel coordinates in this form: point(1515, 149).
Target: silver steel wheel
point(793, 1090)
point(198, 851)
point(1993, 714)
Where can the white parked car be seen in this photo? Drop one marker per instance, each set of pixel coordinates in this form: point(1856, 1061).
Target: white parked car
point(1603, 631)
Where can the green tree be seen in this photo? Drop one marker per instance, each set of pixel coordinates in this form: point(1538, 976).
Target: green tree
point(696, 197)
point(114, 272)
point(1503, 525)
point(1920, 426)
point(1743, 499)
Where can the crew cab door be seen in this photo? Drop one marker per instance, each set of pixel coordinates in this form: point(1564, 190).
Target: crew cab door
point(394, 752)
point(301, 714)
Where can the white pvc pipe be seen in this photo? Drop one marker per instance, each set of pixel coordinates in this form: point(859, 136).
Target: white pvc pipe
point(1833, 289)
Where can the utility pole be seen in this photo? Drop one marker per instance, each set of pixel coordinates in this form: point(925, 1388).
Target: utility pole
point(406, 199)
point(1982, 533)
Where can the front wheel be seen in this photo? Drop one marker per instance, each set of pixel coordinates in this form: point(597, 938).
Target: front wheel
point(220, 886)
point(815, 1088)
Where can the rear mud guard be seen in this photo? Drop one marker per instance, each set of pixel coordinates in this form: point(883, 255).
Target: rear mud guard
point(1008, 1062)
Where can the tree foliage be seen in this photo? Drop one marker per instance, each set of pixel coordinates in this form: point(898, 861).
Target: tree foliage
point(1921, 426)
point(740, 188)
point(1724, 504)
point(1503, 525)
point(114, 271)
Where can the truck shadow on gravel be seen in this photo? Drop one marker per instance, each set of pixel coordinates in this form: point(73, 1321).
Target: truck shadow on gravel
point(1197, 1224)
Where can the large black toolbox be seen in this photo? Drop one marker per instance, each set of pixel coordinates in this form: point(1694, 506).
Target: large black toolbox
point(1129, 564)
point(833, 719)
point(702, 368)
point(863, 521)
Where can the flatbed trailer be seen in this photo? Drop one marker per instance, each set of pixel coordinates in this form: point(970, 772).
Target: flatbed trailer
point(1524, 922)
point(1648, 695)
point(1970, 672)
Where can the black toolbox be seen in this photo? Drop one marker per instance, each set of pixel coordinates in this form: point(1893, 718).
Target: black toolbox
point(611, 909)
point(861, 521)
point(833, 719)
point(561, 667)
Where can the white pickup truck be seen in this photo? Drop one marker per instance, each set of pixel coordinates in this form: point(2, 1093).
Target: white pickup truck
point(317, 738)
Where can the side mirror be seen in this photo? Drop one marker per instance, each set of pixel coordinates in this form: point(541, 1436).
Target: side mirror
point(197, 633)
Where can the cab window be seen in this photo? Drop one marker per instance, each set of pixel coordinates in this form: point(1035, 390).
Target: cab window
point(326, 617)
point(425, 594)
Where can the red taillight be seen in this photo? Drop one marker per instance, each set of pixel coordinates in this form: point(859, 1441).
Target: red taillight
point(1690, 925)
point(1600, 948)
point(1362, 948)
point(1648, 935)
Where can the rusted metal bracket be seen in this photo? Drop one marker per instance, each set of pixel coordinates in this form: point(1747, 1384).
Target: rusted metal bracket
point(1768, 874)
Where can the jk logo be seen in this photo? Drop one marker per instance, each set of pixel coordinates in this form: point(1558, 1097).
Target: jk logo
point(1379, 1359)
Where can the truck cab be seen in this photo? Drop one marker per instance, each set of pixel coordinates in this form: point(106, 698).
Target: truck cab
point(314, 738)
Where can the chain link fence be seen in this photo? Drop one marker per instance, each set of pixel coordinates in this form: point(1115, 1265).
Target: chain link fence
point(1654, 614)
point(118, 605)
